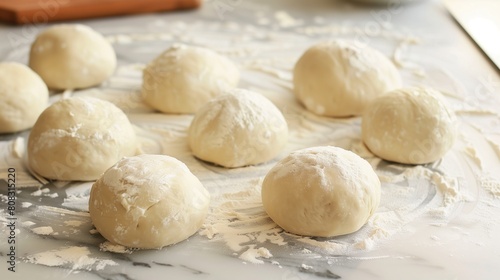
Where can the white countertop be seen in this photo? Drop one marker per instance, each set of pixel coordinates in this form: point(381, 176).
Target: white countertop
point(422, 230)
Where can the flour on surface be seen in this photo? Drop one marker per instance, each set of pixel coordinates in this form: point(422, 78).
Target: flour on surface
point(73, 223)
point(115, 248)
point(44, 230)
point(74, 257)
point(252, 254)
point(28, 223)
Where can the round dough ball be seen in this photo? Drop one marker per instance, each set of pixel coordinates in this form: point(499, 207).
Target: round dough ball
point(79, 138)
point(411, 125)
point(238, 129)
point(340, 78)
point(71, 56)
point(183, 78)
point(24, 96)
point(321, 191)
point(148, 201)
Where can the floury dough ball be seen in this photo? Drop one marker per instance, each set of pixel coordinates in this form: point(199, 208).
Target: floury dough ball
point(238, 129)
point(183, 78)
point(148, 201)
point(79, 138)
point(24, 96)
point(72, 56)
point(411, 126)
point(321, 191)
point(340, 78)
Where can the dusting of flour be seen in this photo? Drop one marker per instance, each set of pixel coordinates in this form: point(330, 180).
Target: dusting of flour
point(74, 257)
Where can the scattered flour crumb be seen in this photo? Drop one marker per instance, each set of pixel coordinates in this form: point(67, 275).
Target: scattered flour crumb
point(53, 195)
point(365, 244)
point(101, 264)
point(251, 254)
point(114, 248)
point(494, 145)
point(76, 256)
point(306, 251)
point(37, 193)
point(286, 20)
point(433, 237)
point(438, 224)
point(73, 223)
point(492, 186)
point(406, 173)
point(468, 110)
point(26, 204)
point(43, 230)
point(448, 187)
point(63, 212)
point(28, 223)
point(330, 247)
point(306, 267)
point(472, 154)
point(93, 231)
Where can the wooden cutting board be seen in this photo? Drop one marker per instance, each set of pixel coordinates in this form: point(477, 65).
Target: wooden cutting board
point(43, 11)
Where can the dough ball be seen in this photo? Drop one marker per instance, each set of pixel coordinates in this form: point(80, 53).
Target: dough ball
point(340, 78)
point(321, 191)
point(238, 129)
point(148, 201)
point(183, 78)
point(411, 125)
point(71, 56)
point(24, 96)
point(79, 138)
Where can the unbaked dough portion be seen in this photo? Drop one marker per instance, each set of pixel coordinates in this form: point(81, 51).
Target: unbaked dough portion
point(183, 78)
point(321, 191)
point(71, 56)
point(340, 78)
point(79, 138)
point(238, 129)
point(411, 125)
point(148, 201)
point(23, 97)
